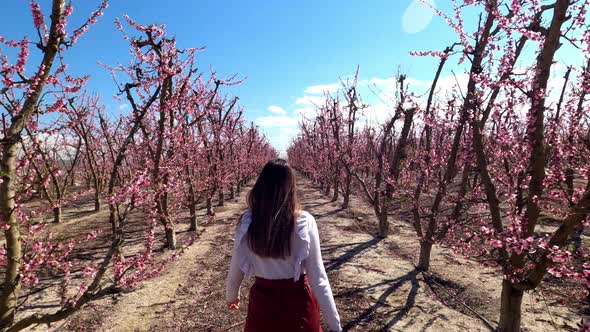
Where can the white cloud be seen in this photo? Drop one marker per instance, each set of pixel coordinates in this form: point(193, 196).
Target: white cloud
point(310, 101)
point(123, 107)
point(418, 16)
point(320, 89)
point(451, 84)
point(307, 112)
point(62, 143)
point(279, 130)
point(378, 81)
point(281, 139)
point(274, 109)
point(378, 113)
point(378, 93)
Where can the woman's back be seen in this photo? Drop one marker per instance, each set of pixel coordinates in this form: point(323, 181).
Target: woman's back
point(305, 257)
point(279, 244)
point(275, 268)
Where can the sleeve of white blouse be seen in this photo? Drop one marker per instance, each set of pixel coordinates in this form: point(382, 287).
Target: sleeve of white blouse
point(318, 279)
point(234, 276)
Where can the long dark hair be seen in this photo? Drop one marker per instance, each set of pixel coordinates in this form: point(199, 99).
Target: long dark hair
point(274, 206)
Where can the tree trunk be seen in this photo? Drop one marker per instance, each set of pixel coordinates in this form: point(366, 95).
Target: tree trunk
point(96, 201)
point(347, 191)
point(57, 214)
point(424, 260)
point(232, 192)
point(327, 191)
point(8, 221)
point(221, 198)
point(41, 191)
point(193, 221)
point(510, 311)
point(192, 207)
point(336, 191)
point(239, 188)
point(209, 204)
point(170, 237)
point(11, 287)
point(383, 224)
point(577, 237)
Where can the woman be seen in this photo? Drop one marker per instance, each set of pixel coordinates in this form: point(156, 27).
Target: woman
point(279, 245)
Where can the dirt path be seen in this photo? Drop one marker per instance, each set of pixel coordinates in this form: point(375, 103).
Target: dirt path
point(138, 310)
point(374, 283)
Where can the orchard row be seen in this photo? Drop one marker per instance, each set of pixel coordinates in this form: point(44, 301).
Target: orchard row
point(183, 142)
point(496, 169)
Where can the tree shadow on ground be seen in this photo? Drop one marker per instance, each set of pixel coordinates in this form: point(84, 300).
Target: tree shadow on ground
point(330, 248)
point(329, 213)
point(337, 262)
point(311, 206)
point(381, 302)
point(459, 297)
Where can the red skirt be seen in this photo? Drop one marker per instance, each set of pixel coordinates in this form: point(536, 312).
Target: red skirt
point(282, 305)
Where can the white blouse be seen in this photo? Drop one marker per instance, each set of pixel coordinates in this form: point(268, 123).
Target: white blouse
point(305, 257)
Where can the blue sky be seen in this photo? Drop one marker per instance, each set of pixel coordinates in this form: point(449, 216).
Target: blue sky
point(283, 48)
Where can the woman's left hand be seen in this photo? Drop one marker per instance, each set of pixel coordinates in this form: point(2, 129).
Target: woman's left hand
point(234, 305)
